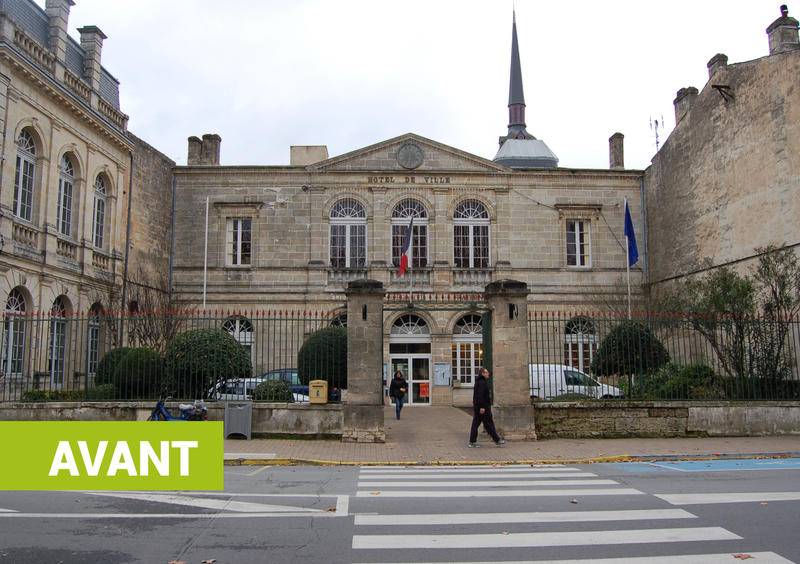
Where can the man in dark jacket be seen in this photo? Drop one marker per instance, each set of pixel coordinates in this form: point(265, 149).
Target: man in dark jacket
point(482, 404)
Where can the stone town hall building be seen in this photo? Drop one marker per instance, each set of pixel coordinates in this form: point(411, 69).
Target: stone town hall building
point(84, 205)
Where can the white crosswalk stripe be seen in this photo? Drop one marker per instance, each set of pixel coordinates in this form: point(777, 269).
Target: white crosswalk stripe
point(726, 558)
point(388, 531)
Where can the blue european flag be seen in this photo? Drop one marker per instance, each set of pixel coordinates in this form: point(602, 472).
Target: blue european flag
point(633, 251)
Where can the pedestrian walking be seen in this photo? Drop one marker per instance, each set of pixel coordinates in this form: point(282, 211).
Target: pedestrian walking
point(397, 390)
point(482, 405)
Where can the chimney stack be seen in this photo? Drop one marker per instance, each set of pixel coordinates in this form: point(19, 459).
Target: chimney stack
point(58, 15)
point(718, 61)
point(92, 43)
point(683, 102)
point(195, 146)
point(616, 157)
point(782, 33)
point(209, 152)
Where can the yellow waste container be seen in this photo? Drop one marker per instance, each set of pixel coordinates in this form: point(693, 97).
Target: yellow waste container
point(318, 391)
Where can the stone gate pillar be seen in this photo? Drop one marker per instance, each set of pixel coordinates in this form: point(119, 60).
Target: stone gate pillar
point(363, 411)
point(512, 409)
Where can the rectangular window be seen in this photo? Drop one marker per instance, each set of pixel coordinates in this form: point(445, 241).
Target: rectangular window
point(99, 222)
point(239, 242)
point(461, 246)
point(23, 189)
point(419, 245)
point(338, 246)
point(65, 208)
point(578, 243)
point(471, 246)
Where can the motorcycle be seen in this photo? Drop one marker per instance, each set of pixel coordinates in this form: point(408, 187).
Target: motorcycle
point(189, 412)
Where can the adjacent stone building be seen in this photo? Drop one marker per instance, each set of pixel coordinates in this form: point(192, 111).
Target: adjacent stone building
point(726, 180)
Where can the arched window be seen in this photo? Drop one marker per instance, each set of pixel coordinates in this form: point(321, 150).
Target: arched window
point(99, 214)
point(241, 329)
point(14, 334)
point(471, 235)
point(93, 338)
point(58, 341)
point(23, 178)
point(580, 343)
point(66, 184)
point(348, 235)
point(401, 219)
point(467, 349)
point(409, 326)
point(339, 321)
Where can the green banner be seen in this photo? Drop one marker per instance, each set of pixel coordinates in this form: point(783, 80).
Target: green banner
point(111, 455)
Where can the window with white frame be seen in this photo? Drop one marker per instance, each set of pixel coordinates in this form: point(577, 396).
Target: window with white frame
point(14, 333)
point(579, 248)
point(348, 234)
point(99, 213)
point(239, 243)
point(401, 218)
point(471, 235)
point(66, 184)
point(580, 343)
point(23, 178)
point(93, 339)
point(58, 341)
point(241, 329)
point(467, 349)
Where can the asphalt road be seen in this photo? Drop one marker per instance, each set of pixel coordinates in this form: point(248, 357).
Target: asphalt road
point(654, 513)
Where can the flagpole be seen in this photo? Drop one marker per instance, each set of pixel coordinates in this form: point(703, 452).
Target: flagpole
point(628, 265)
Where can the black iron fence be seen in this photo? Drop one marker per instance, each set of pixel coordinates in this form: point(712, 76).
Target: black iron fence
point(261, 355)
point(663, 356)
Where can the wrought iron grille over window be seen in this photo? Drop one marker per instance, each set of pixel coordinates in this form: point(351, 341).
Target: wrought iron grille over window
point(410, 325)
point(401, 218)
point(580, 343)
point(14, 333)
point(471, 235)
point(348, 234)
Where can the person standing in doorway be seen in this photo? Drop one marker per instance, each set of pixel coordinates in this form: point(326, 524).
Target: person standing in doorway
point(397, 390)
point(482, 404)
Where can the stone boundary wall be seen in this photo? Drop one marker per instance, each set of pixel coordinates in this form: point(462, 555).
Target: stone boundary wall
point(311, 420)
point(665, 419)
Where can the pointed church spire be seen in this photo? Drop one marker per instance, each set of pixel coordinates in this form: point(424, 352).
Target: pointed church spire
point(516, 96)
point(520, 149)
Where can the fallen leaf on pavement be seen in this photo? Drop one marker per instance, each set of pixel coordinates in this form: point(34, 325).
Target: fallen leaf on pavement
point(764, 503)
point(505, 532)
point(573, 501)
point(374, 493)
point(330, 509)
point(209, 561)
point(742, 556)
point(176, 562)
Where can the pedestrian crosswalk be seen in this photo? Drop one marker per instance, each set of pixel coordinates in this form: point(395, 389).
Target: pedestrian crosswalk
point(508, 513)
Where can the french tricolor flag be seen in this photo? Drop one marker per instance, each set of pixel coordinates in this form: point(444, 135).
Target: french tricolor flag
point(404, 251)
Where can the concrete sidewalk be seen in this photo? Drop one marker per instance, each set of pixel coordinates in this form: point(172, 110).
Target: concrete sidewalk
point(439, 435)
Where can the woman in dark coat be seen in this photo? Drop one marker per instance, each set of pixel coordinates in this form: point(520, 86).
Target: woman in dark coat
point(397, 390)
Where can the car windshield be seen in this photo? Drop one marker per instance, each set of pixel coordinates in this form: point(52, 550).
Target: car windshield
point(575, 378)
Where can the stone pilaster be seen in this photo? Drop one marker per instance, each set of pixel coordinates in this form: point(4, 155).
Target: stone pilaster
point(363, 412)
point(512, 409)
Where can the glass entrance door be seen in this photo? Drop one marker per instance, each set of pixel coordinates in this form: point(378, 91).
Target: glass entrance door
point(416, 370)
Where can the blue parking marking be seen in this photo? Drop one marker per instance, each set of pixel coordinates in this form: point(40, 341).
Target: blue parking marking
point(709, 465)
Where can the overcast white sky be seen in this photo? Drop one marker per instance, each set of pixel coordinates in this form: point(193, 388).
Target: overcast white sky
point(267, 74)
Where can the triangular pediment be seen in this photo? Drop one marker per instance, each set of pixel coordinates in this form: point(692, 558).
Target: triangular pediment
point(408, 153)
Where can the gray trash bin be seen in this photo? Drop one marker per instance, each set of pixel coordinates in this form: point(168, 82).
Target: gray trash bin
point(238, 418)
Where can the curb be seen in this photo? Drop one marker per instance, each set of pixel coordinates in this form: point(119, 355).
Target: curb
point(232, 461)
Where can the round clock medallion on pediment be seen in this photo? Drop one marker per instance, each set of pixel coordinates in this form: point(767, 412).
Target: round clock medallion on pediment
point(410, 155)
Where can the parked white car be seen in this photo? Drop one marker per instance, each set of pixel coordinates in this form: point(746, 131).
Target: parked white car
point(242, 389)
point(552, 380)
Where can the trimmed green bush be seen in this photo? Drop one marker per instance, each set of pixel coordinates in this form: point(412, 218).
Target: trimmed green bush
point(324, 357)
point(139, 374)
point(108, 365)
point(273, 390)
point(101, 393)
point(629, 348)
point(196, 359)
